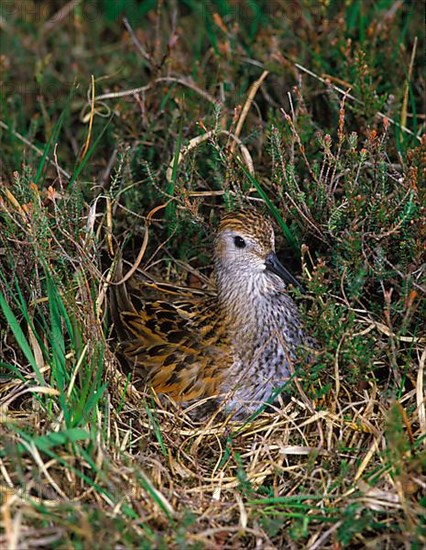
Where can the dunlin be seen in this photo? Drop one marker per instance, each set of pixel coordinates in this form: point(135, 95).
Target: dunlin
point(236, 344)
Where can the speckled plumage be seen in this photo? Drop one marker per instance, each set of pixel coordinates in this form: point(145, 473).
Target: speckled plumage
point(235, 344)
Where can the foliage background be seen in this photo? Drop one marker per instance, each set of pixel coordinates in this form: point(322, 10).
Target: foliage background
point(105, 111)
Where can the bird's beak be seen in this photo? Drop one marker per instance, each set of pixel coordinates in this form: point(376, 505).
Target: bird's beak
point(273, 264)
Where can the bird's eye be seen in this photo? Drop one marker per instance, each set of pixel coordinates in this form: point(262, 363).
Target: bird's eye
point(239, 242)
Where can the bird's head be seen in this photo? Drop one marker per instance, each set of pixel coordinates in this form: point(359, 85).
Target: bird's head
point(245, 248)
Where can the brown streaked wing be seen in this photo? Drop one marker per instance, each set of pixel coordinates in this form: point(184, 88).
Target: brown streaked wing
point(172, 346)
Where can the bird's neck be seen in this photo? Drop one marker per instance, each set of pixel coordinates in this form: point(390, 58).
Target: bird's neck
point(245, 301)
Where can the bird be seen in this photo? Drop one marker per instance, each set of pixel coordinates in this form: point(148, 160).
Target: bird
point(235, 344)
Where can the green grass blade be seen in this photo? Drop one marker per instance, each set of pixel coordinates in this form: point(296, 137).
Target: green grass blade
point(51, 141)
point(273, 210)
point(89, 153)
point(20, 338)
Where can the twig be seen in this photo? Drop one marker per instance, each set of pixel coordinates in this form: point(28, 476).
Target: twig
point(58, 17)
point(407, 84)
point(144, 244)
point(194, 142)
point(181, 81)
point(250, 97)
point(91, 117)
point(136, 42)
point(420, 396)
